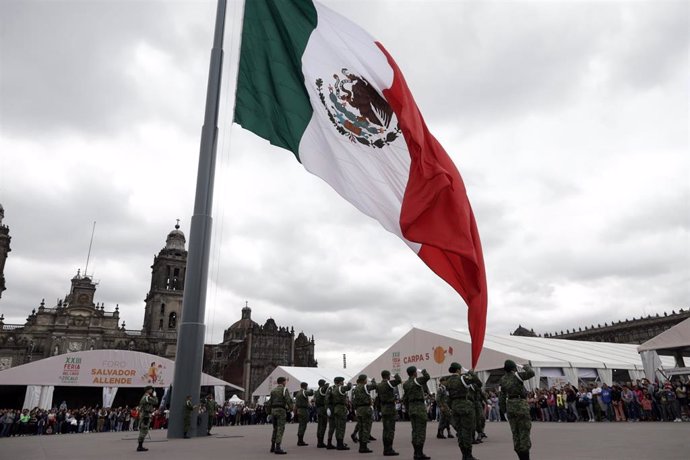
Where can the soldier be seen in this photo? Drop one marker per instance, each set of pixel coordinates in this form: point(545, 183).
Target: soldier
point(330, 411)
point(187, 420)
point(211, 410)
point(146, 405)
point(321, 412)
point(281, 402)
point(513, 402)
point(302, 411)
point(462, 407)
point(444, 407)
point(361, 399)
point(479, 418)
point(339, 400)
point(413, 398)
point(386, 396)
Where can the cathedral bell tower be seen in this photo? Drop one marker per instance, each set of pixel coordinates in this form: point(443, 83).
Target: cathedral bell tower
point(164, 300)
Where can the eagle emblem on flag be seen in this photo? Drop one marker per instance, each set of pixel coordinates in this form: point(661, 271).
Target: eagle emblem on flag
point(358, 111)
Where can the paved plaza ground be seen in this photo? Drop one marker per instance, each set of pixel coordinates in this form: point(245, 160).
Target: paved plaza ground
point(630, 441)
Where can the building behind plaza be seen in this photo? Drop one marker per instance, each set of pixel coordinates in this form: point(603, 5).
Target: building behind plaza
point(77, 322)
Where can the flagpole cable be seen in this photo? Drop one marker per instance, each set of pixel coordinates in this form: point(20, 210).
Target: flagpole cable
point(226, 147)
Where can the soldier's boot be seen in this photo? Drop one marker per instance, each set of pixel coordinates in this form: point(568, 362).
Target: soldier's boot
point(469, 454)
point(320, 443)
point(523, 455)
point(354, 438)
point(439, 434)
point(273, 446)
point(450, 434)
point(389, 452)
point(341, 445)
point(363, 449)
point(300, 441)
point(278, 450)
point(140, 447)
point(371, 438)
point(422, 455)
point(185, 435)
point(482, 435)
point(330, 445)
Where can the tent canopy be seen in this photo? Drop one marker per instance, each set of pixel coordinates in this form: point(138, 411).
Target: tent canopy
point(435, 352)
point(100, 368)
point(296, 375)
point(675, 339)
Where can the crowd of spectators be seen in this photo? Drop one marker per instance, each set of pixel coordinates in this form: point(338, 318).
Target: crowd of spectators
point(631, 402)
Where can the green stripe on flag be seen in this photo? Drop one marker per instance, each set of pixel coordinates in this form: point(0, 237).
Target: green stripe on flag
point(271, 99)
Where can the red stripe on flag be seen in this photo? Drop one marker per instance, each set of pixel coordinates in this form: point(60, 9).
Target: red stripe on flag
point(436, 211)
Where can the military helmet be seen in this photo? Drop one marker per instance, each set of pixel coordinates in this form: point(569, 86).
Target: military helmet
point(321, 382)
point(281, 380)
point(509, 365)
point(148, 387)
point(362, 378)
point(411, 370)
point(385, 374)
point(454, 367)
point(304, 384)
point(339, 379)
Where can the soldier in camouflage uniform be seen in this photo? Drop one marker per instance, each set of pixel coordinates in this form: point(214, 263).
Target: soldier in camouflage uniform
point(462, 407)
point(147, 404)
point(513, 403)
point(302, 410)
point(339, 401)
point(187, 420)
point(414, 400)
point(444, 406)
point(386, 395)
point(330, 411)
point(361, 400)
point(211, 410)
point(479, 417)
point(281, 402)
point(321, 412)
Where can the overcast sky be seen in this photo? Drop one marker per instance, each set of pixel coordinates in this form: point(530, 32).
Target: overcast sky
point(568, 121)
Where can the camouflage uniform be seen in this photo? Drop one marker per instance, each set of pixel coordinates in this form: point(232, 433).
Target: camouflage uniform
point(386, 396)
point(339, 400)
point(361, 400)
point(187, 420)
point(320, 397)
point(211, 410)
point(281, 402)
point(444, 406)
point(513, 402)
point(462, 407)
point(479, 418)
point(147, 404)
point(331, 418)
point(413, 398)
point(302, 406)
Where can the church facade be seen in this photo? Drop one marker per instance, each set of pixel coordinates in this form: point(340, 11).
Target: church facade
point(77, 322)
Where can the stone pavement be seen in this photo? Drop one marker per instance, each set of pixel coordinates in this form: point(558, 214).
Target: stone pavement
point(576, 441)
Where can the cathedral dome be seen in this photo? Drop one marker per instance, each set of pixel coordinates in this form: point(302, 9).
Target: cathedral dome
point(245, 323)
point(176, 239)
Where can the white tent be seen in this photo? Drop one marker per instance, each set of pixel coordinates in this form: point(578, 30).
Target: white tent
point(557, 359)
point(108, 369)
point(296, 375)
point(674, 342)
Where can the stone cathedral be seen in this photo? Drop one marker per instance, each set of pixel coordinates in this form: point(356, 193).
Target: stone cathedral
point(77, 322)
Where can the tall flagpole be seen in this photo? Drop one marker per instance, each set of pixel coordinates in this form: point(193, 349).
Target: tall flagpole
point(190, 335)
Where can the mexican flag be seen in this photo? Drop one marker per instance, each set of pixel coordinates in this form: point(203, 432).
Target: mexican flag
point(313, 82)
